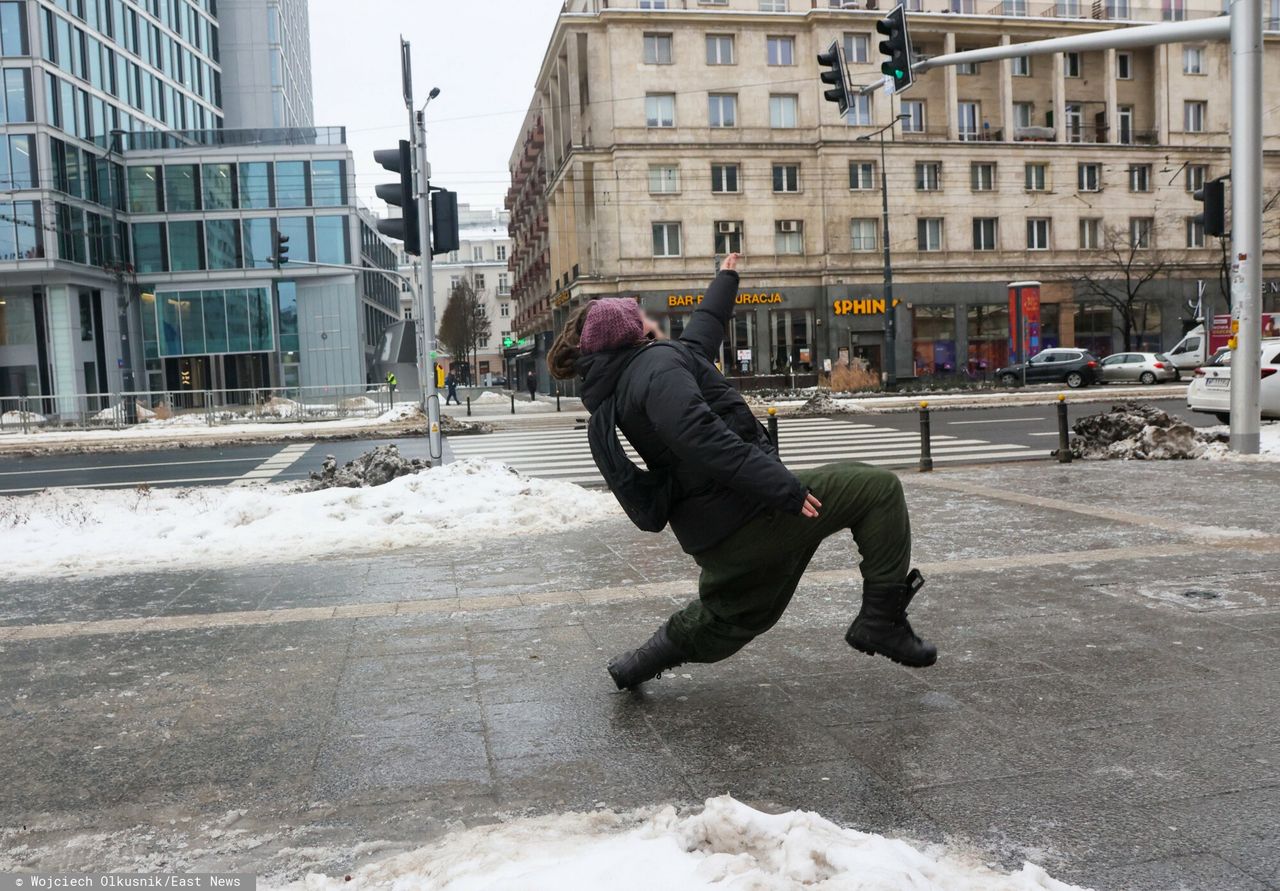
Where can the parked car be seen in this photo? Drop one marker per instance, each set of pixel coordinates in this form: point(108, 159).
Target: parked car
point(1147, 368)
point(1210, 389)
point(1073, 367)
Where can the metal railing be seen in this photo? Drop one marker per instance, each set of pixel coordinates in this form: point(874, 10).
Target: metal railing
point(186, 407)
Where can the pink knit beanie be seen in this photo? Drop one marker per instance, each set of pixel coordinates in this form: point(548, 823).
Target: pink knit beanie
point(612, 322)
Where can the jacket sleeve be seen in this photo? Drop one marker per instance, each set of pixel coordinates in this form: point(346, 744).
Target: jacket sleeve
point(702, 441)
point(705, 331)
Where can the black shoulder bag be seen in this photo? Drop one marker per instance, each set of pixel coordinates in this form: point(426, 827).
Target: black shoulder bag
point(645, 495)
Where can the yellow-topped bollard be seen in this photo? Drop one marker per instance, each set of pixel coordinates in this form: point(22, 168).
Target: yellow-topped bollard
point(926, 439)
point(924, 403)
point(772, 410)
point(1062, 397)
point(1064, 431)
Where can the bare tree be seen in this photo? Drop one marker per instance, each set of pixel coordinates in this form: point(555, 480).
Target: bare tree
point(1129, 263)
point(464, 325)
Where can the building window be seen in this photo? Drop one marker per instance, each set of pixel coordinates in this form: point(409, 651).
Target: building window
point(728, 237)
point(773, 5)
point(478, 281)
point(928, 176)
point(982, 176)
point(1037, 234)
point(865, 234)
point(1124, 115)
point(967, 68)
point(782, 111)
point(259, 243)
point(1071, 64)
point(222, 244)
point(657, 49)
point(968, 118)
point(1089, 177)
point(781, 50)
point(186, 246)
point(722, 110)
point(504, 287)
point(862, 175)
point(504, 309)
point(501, 252)
point(255, 185)
point(1141, 232)
point(1124, 66)
point(13, 29)
point(934, 339)
point(793, 331)
point(15, 101)
point(1022, 115)
point(477, 253)
point(929, 234)
point(1021, 66)
point(788, 237)
point(724, 177)
point(1193, 114)
point(1037, 175)
point(660, 110)
point(327, 184)
point(1195, 232)
point(149, 253)
point(291, 184)
point(666, 239)
point(786, 177)
point(857, 48)
point(984, 234)
point(1090, 234)
point(859, 114)
point(145, 189)
point(298, 231)
point(1196, 174)
point(1193, 60)
point(720, 49)
point(1139, 177)
point(913, 109)
point(332, 245)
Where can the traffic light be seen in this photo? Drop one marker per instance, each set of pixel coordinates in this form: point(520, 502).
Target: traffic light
point(444, 222)
point(1214, 196)
point(281, 255)
point(835, 75)
point(896, 48)
point(401, 194)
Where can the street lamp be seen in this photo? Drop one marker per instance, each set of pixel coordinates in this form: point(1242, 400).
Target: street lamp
point(115, 145)
point(890, 326)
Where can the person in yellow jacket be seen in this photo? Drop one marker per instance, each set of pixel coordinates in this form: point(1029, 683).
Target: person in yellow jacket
point(439, 376)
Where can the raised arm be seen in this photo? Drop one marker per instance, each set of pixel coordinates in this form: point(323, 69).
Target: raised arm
point(705, 331)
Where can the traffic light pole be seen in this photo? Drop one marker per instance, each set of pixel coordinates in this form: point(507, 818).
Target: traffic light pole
point(1246, 223)
point(890, 358)
point(427, 321)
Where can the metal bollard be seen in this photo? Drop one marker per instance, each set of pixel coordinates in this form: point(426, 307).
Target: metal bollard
point(1064, 433)
point(468, 406)
point(557, 398)
point(773, 429)
point(513, 403)
point(926, 446)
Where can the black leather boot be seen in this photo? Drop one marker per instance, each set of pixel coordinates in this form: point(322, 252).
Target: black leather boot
point(882, 627)
point(646, 661)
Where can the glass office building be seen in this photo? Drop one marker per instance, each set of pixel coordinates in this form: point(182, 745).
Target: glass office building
point(138, 219)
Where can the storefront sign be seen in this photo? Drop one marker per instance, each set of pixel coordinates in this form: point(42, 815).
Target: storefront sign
point(744, 355)
point(762, 298)
point(560, 299)
point(867, 307)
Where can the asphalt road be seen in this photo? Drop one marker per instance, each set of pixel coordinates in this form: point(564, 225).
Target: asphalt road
point(1031, 425)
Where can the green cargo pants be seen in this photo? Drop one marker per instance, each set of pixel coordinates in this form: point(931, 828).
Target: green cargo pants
point(748, 579)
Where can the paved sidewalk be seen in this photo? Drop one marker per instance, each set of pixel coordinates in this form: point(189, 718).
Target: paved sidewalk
point(1104, 703)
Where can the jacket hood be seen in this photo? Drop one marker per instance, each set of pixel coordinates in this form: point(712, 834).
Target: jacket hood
point(600, 373)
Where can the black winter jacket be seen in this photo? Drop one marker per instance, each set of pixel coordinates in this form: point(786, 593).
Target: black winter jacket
point(681, 414)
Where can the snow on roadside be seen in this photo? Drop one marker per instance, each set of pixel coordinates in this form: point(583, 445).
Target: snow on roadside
point(106, 532)
point(726, 846)
point(1268, 450)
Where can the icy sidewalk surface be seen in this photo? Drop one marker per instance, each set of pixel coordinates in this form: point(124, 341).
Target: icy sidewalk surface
point(1104, 704)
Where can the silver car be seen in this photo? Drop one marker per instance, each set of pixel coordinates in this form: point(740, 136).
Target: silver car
point(1147, 368)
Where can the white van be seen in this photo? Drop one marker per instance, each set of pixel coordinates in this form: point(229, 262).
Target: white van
point(1190, 352)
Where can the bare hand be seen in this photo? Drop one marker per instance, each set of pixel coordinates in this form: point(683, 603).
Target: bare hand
point(811, 506)
point(731, 262)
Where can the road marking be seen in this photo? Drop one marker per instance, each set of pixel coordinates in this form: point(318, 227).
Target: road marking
point(677, 591)
point(98, 467)
point(280, 461)
point(1054, 433)
point(993, 421)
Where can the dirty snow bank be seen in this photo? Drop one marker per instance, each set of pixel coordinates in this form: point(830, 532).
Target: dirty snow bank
point(1268, 446)
point(101, 532)
point(1132, 430)
point(726, 846)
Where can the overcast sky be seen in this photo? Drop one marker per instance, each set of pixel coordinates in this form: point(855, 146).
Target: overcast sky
point(482, 54)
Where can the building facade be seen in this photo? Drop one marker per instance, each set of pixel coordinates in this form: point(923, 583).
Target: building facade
point(484, 250)
point(136, 233)
point(663, 135)
point(266, 62)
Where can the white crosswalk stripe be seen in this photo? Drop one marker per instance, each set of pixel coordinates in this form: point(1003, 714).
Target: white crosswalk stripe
point(563, 453)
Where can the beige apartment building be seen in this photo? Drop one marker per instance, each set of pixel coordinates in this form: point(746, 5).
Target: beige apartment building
point(665, 133)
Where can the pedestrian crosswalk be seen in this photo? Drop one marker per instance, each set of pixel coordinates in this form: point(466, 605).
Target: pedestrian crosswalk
point(563, 453)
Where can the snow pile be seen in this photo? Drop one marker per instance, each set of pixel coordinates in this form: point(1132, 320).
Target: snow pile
point(726, 847)
point(821, 403)
point(1133, 430)
point(377, 467)
point(280, 407)
point(1268, 445)
point(488, 396)
point(64, 531)
point(116, 413)
point(490, 399)
point(17, 418)
point(358, 403)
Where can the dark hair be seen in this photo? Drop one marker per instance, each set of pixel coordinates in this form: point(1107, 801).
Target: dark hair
point(564, 352)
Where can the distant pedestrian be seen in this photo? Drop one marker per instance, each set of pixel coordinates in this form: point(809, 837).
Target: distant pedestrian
point(531, 381)
point(391, 385)
point(451, 384)
point(750, 524)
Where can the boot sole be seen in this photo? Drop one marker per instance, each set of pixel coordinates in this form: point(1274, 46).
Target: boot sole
point(872, 651)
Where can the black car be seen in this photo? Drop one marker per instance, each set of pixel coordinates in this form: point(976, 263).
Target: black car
point(1075, 368)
